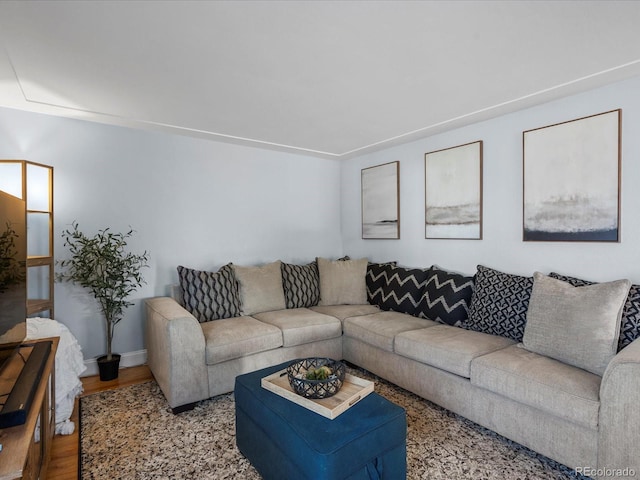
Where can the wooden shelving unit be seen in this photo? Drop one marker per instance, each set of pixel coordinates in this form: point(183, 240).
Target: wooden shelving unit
point(33, 182)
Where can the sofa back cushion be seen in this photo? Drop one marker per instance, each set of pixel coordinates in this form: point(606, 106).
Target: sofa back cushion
point(630, 322)
point(396, 288)
point(342, 282)
point(499, 303)
point(446, 297)
point(575, 325)
point(209, 295)
point(301, 285)
point(260, 288)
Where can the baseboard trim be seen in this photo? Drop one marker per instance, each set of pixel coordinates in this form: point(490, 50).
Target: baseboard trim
point(129, 359)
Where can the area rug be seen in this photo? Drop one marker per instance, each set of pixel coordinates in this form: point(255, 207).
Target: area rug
point(130, 433)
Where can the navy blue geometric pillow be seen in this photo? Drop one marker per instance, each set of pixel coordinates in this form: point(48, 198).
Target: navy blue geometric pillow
point(395, 288)
point(210, 295)
point(499, 303)
point(446, 297)
point(630, 323)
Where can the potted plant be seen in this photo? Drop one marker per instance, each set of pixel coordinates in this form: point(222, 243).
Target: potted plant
point(103, 265)
point(11, 271)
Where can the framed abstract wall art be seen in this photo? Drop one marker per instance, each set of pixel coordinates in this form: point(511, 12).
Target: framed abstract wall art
point(381, 201)
point(571, 180)
point(453, 192)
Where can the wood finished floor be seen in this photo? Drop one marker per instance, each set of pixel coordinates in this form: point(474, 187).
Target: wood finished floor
point(63, 464)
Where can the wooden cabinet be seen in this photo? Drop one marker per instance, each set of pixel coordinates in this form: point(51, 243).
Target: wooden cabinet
point(25, 448)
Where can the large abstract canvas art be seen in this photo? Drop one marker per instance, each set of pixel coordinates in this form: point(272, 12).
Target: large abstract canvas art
point(571, 185)
point(453, 192)
point(381, 201)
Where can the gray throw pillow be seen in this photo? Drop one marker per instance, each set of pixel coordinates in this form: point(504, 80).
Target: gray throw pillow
point(342, 282)
point(630, 322)
point(575, 325)
point(260, 288)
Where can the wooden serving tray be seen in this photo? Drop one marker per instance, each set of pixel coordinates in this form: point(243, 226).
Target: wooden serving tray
point(353, 390)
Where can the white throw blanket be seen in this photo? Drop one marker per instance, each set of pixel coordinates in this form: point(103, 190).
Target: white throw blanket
point(69, 366)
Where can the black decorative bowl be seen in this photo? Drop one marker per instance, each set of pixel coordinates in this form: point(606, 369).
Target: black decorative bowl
point(297, 374)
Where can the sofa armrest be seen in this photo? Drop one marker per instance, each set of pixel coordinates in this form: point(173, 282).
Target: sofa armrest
point(176, 352)
point(619, 421)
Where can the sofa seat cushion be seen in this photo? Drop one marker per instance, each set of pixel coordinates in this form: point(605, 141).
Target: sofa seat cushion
point(301, 325)
point(540, 382)
point(448, 348)
point(380, 329)
point(238, 337)
point(345, 311)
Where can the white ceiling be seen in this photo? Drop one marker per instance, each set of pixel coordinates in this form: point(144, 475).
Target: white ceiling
point(329, 78)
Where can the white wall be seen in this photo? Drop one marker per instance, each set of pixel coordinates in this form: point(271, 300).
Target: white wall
point(201, 203)
point(191, 201)
point(502, 247)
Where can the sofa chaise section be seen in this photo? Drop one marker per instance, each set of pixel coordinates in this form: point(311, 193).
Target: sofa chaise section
point(567, 442)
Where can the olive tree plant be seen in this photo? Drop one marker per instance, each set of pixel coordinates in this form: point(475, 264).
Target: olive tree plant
point(11, 272)
point(102, 265)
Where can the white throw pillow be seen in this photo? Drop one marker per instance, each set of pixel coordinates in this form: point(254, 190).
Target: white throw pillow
point(576, 325)
point(260, 288)
point(343, 282)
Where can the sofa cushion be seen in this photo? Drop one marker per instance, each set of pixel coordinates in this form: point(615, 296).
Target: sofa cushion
point(630, 322)
point(449, 348)
point(576, 325)
point(345, 311)
point(396, 288)
point(209, 295)
point(380, 329)
point(301, 325)
point(238, 337)
point(499, 303)
point(446, 297)
point(540, 382)
point(260, 288)
point(342, 282)
point(301, 285)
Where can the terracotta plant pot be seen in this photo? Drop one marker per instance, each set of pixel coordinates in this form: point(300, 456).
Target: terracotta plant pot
point(109, 368)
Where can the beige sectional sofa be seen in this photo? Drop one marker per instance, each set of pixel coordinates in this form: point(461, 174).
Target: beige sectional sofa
point(586, 416)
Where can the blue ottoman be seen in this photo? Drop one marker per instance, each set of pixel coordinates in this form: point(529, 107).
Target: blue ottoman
point(283, 440)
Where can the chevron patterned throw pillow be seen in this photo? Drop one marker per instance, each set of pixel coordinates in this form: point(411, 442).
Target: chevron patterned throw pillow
point(446, 297)
point(630, 322)
point(395, 288)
